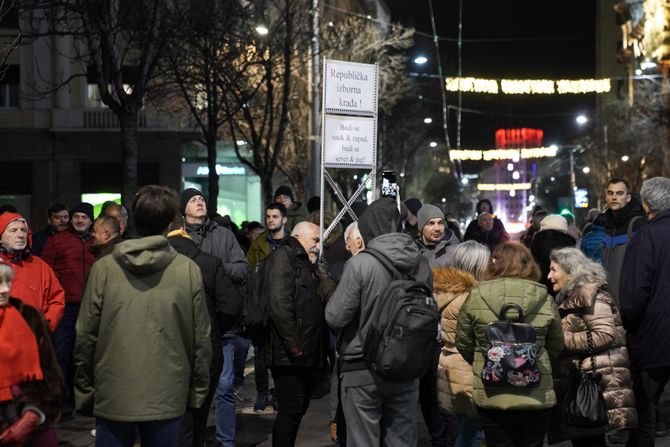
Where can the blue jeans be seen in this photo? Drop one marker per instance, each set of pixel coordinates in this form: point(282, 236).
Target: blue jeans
point(122, 434)
point(260, 371)
point(241, 351)
point(224, 400)
point(469, 432)
point(64, 347)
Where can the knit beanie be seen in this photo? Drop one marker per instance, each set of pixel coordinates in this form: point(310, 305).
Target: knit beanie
point(187, 195)
point(83, 207)
point(426, 213)
point(284, 191)
point(554, 222)
point(413, 205)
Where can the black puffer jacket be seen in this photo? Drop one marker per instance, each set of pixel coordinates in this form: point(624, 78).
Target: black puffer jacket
point(296, 309)
point(544, 242)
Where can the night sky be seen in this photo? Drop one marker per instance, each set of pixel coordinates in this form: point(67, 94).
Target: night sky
point(514, 40)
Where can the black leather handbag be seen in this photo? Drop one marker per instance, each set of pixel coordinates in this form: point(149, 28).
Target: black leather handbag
point(511, 355)
point(584, 404)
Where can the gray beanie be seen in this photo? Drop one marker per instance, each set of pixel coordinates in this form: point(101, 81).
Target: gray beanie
point(427, 212)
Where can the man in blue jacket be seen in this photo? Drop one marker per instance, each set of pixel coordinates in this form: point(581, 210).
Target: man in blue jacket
point(645, 306)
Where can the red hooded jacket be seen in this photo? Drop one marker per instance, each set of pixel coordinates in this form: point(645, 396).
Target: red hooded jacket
point(70, 257)
point(34, 282)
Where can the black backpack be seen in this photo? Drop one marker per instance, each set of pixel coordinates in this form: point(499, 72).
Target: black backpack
point(400, 343)
point(510, 358)
point(255, 306)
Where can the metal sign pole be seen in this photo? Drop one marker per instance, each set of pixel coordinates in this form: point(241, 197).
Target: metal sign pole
point(348, 131)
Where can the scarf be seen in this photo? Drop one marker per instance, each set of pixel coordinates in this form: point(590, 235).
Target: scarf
point(19, 357)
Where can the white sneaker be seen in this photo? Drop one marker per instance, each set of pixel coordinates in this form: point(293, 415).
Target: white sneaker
point(93, 432)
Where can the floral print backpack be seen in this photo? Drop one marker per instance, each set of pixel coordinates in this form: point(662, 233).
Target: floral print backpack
point(511, 356)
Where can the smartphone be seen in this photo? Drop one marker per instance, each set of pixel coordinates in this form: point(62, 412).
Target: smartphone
point(389, 186)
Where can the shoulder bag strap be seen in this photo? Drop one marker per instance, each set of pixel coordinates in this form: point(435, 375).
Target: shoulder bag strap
point(629, 232)
point(592, 353)
point(384, 261)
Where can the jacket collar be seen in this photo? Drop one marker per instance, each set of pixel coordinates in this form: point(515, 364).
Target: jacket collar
point(581, 298)
point(660, 216)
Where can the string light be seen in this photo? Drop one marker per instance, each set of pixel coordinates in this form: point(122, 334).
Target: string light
point(583, 86)
point(503, 154)
point(528, 86)
point(503, 186)
point(472, 85)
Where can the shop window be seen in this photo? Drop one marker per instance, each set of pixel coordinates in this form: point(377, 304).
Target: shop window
point(9, 87)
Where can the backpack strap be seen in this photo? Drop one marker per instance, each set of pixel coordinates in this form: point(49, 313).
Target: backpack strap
point(385, 262)
point(629, 232)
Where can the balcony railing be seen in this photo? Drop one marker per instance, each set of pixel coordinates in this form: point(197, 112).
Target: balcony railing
point(106, 119)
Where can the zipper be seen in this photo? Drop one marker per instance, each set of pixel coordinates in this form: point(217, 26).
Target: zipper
point(410, 309)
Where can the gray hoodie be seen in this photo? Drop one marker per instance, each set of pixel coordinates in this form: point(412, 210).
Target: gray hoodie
point(363, 282)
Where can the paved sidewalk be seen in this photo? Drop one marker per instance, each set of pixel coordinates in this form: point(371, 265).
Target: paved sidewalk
point(256, 429)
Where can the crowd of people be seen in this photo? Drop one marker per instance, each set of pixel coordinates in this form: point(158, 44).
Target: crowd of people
point(142, 317)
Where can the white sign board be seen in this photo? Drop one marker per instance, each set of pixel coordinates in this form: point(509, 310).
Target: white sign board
point(349, 141)
point(350, 87)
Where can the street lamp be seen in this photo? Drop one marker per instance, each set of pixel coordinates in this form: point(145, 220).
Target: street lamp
point(428, 120)
point(420, 60)
point(625, 158)
point(581, 120)
point(433, 144)
point(586, 170)
point(262, 30)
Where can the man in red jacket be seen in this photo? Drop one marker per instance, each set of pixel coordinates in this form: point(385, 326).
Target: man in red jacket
point(68, 253)
point(34, 283)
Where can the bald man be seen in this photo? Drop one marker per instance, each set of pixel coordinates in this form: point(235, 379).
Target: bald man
point(120, 214)
point(293, 347)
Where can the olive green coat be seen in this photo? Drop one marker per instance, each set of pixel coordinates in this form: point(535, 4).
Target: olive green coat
point(481, 308)
point(142, 351)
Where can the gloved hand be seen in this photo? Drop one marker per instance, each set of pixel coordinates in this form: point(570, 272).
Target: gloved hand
point(322, 269)
point(17, 433)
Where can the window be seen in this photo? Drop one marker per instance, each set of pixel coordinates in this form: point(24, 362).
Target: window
point(9, 87)
point(9, 17)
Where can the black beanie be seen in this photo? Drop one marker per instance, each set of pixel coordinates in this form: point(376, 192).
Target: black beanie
point(187, 195)
point(284, 190)
point(83, 207)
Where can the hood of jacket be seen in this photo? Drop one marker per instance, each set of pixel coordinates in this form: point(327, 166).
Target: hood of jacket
point(563, 239)
point(450, 238)
point(449, 283)
point(399, 248)
point(494, 292)
point(621, 217)
point(381, 217)
point(7, 218)
point(144, 256)
point(184, 245)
